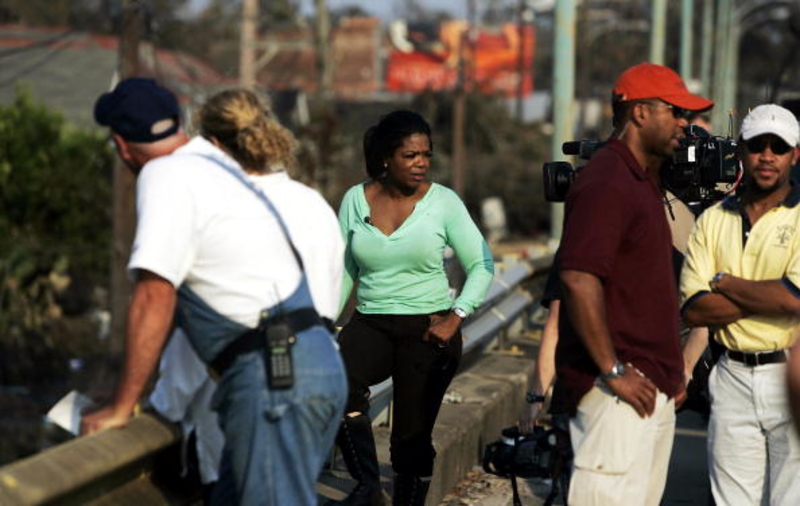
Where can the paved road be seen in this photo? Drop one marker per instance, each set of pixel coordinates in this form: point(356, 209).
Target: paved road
point(687, 483)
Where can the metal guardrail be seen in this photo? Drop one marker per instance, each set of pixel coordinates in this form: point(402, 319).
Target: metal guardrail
point(122, 466)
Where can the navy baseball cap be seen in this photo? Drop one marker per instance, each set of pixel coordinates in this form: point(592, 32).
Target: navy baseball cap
point(136, 110)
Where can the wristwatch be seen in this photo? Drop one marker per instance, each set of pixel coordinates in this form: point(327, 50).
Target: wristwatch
point(617, 371)
point(715, 281)
point(460, 312)
point(532, 398)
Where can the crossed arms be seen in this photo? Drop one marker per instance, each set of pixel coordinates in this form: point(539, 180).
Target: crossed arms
point(737, 298)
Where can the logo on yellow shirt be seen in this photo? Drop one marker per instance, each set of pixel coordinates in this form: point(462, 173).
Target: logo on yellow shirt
point(784, 235)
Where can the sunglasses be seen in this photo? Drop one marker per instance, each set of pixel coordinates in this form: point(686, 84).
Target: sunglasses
point(760, 143)
point(677, 112)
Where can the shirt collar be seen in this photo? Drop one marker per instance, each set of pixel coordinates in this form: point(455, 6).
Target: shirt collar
point(198, 145)
point(734, 202)
point(622, 149)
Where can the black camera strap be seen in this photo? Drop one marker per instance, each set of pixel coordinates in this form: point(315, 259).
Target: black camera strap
point(515, 490)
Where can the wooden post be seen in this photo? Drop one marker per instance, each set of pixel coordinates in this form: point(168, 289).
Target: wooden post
point(460, 106)
point(324, 60)
point(247, 57)
point(123, 211)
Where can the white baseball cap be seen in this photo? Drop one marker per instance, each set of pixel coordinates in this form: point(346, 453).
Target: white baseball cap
point(771, 119)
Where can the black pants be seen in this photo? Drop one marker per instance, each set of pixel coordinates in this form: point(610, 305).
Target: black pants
point(376, 347)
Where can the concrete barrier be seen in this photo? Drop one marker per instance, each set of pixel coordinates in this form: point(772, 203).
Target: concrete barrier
point(88, 468)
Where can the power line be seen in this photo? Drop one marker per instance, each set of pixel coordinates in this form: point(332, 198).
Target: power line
point(35, 45)
point(38, 64)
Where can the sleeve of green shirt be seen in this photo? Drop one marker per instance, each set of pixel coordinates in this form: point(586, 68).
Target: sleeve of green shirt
point(346, 212)
point(473, 253)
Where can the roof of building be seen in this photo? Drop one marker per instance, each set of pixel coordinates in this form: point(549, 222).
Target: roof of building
point(68, 69)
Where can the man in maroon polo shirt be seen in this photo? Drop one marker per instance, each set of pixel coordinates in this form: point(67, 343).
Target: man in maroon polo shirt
point(619, 360)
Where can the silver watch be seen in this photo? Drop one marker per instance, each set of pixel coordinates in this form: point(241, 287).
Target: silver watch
point(460, 312)
point(715, 281)
point(617, 371)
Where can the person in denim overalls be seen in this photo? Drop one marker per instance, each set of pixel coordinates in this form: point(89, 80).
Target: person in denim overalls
point(211, 250)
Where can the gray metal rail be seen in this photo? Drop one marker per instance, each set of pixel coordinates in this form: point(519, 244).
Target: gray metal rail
point(127, 466)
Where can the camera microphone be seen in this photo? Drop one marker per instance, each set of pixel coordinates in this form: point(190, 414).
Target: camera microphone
point(367, 220)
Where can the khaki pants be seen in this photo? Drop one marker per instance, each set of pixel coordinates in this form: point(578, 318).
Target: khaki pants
point(620, 458)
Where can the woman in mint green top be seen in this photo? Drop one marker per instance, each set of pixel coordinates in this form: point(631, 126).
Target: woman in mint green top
point(402, 272)
point(406, 326)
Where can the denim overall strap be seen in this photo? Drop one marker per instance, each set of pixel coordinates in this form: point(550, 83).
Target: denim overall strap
point(209, 332)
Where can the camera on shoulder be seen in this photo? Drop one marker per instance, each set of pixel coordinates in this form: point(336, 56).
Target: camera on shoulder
point(702, 163)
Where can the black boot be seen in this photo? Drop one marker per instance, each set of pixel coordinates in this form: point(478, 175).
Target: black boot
point(357, 445)
point(410, 490)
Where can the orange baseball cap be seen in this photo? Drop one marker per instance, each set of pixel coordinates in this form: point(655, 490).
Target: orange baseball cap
point(648, 80)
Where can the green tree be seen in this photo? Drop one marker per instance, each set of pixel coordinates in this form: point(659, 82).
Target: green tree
point(55, 205)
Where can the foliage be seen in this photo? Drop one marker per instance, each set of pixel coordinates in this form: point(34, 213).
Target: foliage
point(504, 158)
point(55, 205)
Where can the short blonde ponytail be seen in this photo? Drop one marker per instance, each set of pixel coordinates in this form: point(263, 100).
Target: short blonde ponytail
point(247, 129)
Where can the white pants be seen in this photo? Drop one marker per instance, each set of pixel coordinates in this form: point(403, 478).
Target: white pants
point(620, 458)
point(754, 455)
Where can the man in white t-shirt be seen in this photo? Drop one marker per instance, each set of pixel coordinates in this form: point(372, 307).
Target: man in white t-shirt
point(206, 244)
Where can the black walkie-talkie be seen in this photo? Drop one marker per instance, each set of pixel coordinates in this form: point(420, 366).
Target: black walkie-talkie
point(280, 339)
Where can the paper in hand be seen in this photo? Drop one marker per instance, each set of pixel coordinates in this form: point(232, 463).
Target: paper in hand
point(67, 412)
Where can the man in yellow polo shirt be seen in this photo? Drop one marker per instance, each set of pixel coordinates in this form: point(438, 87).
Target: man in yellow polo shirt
point(741, 278)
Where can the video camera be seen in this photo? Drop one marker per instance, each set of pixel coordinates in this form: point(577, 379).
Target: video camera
point(700, 164)
point(535, 455)
point(522, 455)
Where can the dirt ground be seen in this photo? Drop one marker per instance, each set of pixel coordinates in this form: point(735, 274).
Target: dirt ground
point(483, 489)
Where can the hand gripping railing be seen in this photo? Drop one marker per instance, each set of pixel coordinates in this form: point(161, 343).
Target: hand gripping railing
point(122, 466)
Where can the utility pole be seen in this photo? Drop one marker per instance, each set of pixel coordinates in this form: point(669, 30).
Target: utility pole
point(718, 113)
point(657, 31)
point(247, 44)
point(563, 95)
point(525, 18)
point(731, 71)
point(324, 60)
point(687, 29)
point(123, 184)
point(459, 104)
point(325, 179)
point(705, 56)
point(584, 71)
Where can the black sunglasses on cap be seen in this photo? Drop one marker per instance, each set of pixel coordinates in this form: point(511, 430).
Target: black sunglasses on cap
point(760, 143)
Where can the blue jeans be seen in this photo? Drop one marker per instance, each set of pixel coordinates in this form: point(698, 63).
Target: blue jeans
point(276, 441)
